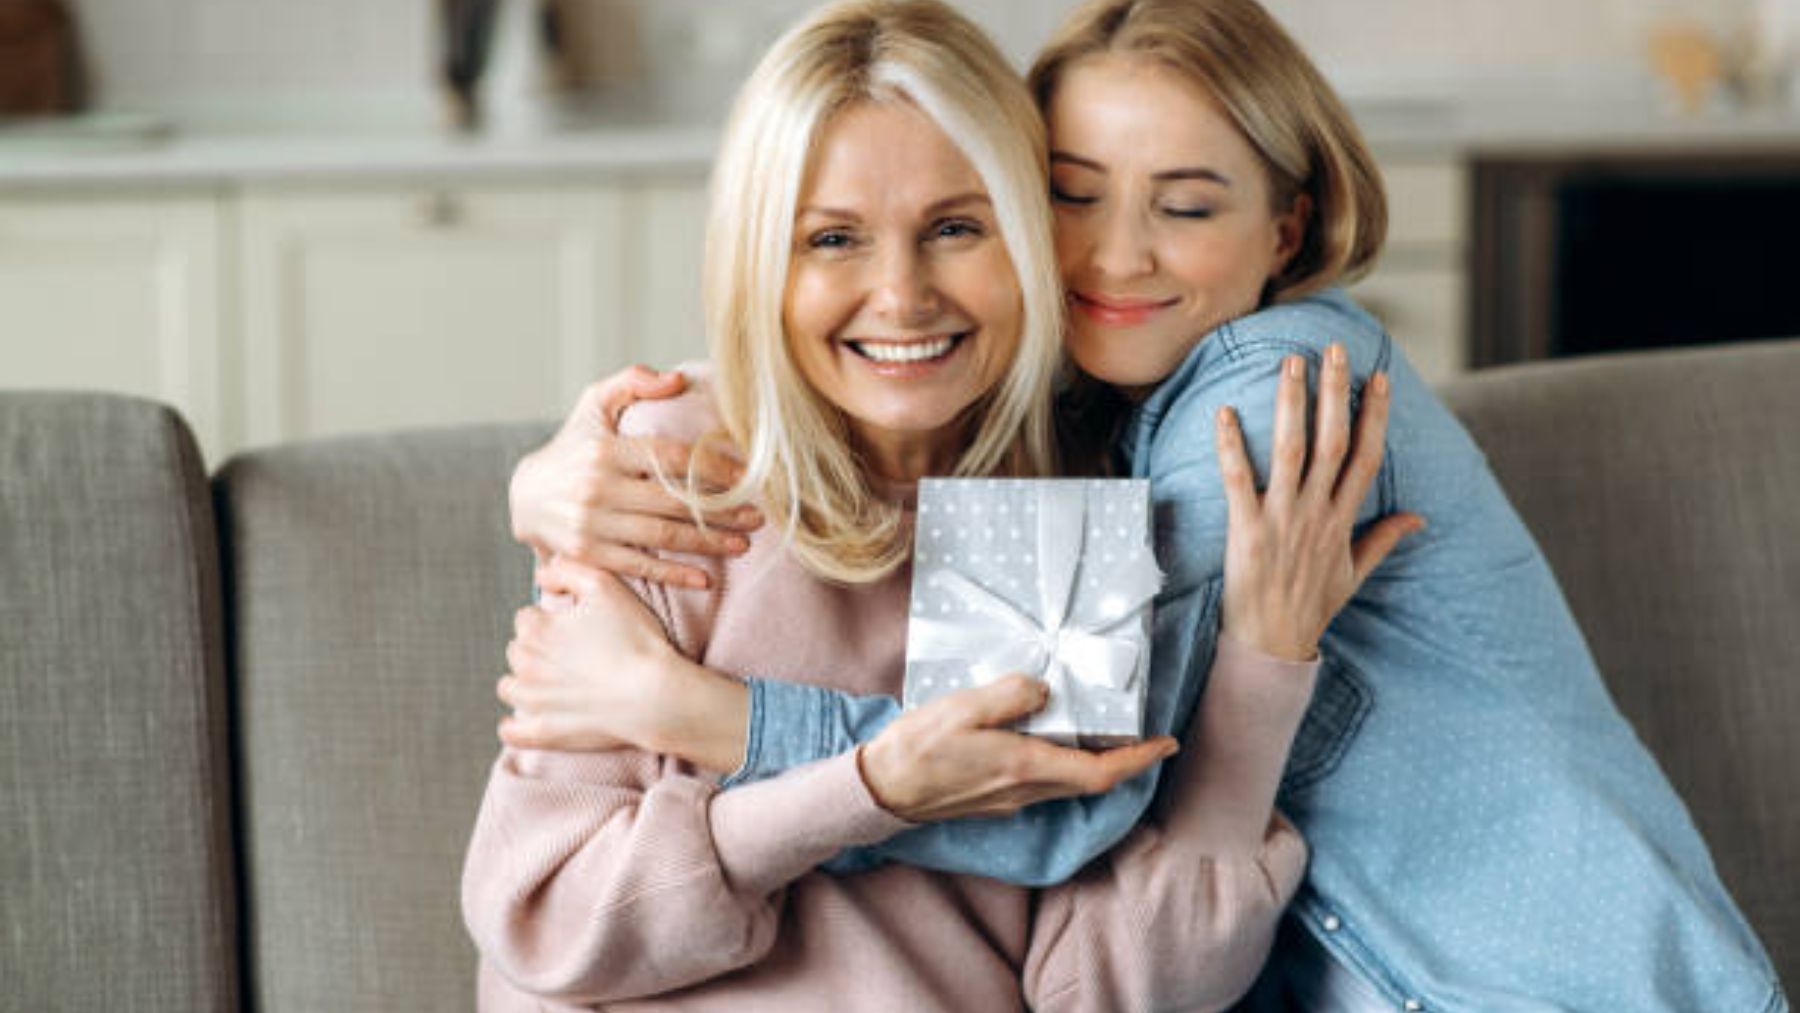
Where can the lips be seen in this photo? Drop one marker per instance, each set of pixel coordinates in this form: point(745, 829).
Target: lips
point(1118, 311)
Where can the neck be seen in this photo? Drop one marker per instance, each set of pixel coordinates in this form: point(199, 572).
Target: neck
point(908, 457)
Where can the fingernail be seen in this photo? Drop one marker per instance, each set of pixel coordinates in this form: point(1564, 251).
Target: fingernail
point(1337, 354)
point(1295, 368)
point(1379, 382)
point(698, 582)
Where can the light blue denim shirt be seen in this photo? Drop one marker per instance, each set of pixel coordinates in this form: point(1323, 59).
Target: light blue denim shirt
point(1487, 832)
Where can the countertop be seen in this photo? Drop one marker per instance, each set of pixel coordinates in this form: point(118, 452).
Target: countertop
point(251, 147)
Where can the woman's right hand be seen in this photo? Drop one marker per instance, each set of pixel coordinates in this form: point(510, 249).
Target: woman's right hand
point(593, 496)
point(955, 757)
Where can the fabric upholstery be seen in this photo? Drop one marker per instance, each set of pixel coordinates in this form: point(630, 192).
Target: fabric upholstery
point(115, 854)
point(1662, 487)
point(371, 584)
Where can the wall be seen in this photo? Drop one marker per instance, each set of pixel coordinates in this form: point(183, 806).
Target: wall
point(156, 52)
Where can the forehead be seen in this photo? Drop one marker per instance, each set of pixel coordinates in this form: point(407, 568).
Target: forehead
point(1132, 110)
point(885, 154)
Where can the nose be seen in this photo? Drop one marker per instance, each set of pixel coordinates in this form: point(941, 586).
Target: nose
point(1119, 246)
point(904, 290)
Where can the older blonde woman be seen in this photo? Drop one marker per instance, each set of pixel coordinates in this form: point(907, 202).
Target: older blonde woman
point(882, 296)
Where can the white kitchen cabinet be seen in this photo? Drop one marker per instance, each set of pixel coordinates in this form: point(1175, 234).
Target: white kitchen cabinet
point(121, 292)
point(378, 308)
point(368, 309)
point(668, 221)
point(1419, 289)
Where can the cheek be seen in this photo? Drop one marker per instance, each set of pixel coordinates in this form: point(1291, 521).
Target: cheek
point(808, 308)
point(1071, 242)
point(1223, 271)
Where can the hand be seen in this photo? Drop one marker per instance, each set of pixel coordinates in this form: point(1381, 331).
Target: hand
point(592, 495)
point(601, 674)
point(954, 757)
point(1289, 564)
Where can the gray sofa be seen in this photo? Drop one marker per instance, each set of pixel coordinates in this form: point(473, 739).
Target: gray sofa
point(245, 719)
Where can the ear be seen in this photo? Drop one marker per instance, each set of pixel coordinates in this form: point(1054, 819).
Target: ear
point(1290, 232)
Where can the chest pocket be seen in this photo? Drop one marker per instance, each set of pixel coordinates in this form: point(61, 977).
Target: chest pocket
point(1341, 700)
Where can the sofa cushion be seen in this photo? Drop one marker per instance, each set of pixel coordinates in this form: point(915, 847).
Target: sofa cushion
point(115, 854)
point(1662, 486)
point(372, 584)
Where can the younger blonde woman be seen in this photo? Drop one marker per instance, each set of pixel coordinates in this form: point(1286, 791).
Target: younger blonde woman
point(882, 296)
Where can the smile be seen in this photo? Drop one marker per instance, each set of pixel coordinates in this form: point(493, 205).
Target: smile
point(1119, 311)
point(906, 351)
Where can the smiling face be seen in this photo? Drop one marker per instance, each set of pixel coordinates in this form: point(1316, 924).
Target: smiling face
point(1165, 226)
point(902, 307)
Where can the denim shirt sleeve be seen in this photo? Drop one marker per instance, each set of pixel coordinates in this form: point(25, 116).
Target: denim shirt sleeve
point(1044, 844)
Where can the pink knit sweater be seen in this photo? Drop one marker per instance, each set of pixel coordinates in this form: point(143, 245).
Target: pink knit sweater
point(627, 881)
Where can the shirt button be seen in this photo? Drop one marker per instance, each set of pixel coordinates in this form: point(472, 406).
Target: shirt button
point(1412, 1006)
point(1332, 924)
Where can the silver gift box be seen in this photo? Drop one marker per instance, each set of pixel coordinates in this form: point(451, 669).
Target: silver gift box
point(1050, 577)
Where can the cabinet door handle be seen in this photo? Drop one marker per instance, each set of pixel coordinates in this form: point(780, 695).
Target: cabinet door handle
point(439, 209)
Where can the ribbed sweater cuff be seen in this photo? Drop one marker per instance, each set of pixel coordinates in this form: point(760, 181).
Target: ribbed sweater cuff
point(771, 832)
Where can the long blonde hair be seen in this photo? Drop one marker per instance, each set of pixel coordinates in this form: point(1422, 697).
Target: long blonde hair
point(799, 459)
point(1240, 55)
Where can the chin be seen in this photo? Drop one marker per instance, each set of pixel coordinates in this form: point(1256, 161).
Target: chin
point(1120, 370)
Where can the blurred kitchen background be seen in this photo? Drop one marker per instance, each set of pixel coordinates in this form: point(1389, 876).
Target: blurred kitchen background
point(297, 219)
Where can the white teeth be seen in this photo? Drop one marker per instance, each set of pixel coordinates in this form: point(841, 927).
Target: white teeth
point(914, 351)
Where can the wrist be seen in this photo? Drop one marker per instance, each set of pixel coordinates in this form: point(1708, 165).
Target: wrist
point(1277, 644)
point(700, 716)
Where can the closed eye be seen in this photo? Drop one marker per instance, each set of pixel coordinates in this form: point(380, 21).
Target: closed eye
point(1061, 196)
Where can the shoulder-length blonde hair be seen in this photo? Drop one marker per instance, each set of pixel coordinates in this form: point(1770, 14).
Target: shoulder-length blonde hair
point(799, 458)
point(1237, 53)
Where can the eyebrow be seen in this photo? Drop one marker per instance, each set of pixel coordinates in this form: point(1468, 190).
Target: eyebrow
point(1166, 176)
point(937, 207)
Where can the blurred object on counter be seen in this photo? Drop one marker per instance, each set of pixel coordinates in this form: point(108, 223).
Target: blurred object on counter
point(468, 31)
point(589, 44)
point(1690, 60)
point(40, 66)
point(550, 57)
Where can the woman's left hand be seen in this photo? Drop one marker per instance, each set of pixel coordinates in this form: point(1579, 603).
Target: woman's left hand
point(596, 671)
point(1289, 562)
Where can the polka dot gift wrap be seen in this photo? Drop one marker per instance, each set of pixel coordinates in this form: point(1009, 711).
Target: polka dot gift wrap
point(1050, 577)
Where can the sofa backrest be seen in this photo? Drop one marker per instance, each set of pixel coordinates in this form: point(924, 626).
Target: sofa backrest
point(371, 585)
point(115, 853)
point(1665, 489)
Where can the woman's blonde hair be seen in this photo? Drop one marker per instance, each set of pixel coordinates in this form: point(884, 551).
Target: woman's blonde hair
point(1237, 53)
point(799, 457)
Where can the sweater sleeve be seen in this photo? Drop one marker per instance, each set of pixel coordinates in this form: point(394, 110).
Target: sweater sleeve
point(597, 877)
point(1182, 915)
point(791, 725)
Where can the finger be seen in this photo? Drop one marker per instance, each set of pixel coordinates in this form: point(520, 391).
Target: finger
point(1331, 436)
point(521, 733)
point(629, 561)
point(632, 494)
point(1289, 454)
point(1371, 443)
point(1126, 762)
point(664, 458)
point(999, 703)
point(1379, 540)
point(603, 402)
point(527, 621)
point(665, 534)
point(1235, 472)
